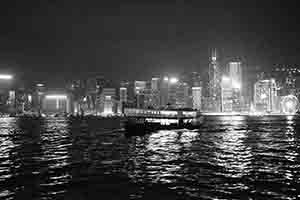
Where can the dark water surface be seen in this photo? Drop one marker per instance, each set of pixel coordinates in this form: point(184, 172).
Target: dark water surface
point(228, 158)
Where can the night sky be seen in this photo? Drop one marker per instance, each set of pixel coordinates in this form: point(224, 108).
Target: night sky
point(58, 40)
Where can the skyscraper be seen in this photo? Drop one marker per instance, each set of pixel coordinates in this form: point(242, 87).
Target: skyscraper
point(227, 94)
point(123, 99)
point(139, 86)
point(155, 92)
point(164, 90)
point(214, 73)
point(182, 95)
point(107, 104)
point(235, 75)
point(123, 94)
point(129, 85)
point(155, 83)
point(235, 72)
point(265, 93)
point(197, 96)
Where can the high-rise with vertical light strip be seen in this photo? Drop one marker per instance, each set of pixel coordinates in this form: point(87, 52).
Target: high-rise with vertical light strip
point(214, 73)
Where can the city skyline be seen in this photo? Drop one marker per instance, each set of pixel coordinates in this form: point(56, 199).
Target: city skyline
point(146, 99)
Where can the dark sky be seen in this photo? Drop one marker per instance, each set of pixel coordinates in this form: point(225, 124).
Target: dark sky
point(58, 40)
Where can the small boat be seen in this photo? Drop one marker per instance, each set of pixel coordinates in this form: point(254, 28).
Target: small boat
point(137, 120)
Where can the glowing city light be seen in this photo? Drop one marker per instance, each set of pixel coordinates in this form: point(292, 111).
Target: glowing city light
point(225, 79)
point(166, 78)
point(236, 85)
point(263, 96)
point(30, 98)
point(196, 88)
point(40, 85)
point(107, 97)
point(290, 104)
point(168, 113)
point(173, 80)
point(289, 117)
point(5, 77)
point(56, 96)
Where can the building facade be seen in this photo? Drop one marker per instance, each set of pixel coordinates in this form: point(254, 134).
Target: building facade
point(197, 97)
point(108, 103)
point(227, 95)
point(265, 95)
point(215, 82)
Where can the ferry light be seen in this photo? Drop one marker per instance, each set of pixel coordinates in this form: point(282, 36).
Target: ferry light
point(56, 97)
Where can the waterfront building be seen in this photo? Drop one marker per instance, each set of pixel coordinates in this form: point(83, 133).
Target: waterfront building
point(12, 98)
point(227, 95)
point(235, 72)
point(38, 93)
point(146, 99)
point(288, 79)
point(131, 99)
point(155, 84)
point(90, 96)
point(193, 79)
point(164, 90)
point(155, 93)
point(155, 99)
point(265, 95)
point(78, 91)
point(56, 101)
point(108, 105)
point(140, 101)
point(236, 100)
point(182, 95)
point(235, 76)
point(139, 86)
point(197, 96)
point(208, 104)
point(122, 99)
point(214, 85)
point(123, 94)
point(250, 75)
point(172, 93)
point(177, 93)
point(6, 85)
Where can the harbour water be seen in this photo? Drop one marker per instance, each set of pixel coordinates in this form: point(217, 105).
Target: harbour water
point(229, 157)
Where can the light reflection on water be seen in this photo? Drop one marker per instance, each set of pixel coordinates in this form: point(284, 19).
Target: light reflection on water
point(229, 157)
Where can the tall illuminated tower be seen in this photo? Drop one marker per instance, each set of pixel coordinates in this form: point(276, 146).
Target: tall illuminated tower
point(214, 74)
point(235, 75)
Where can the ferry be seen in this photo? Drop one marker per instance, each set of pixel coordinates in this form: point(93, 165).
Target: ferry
point(150, 119)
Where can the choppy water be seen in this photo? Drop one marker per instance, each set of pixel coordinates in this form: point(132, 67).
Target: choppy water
point(228, 158)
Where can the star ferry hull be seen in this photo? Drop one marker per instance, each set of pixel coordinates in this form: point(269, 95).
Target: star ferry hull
point(139, 121)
